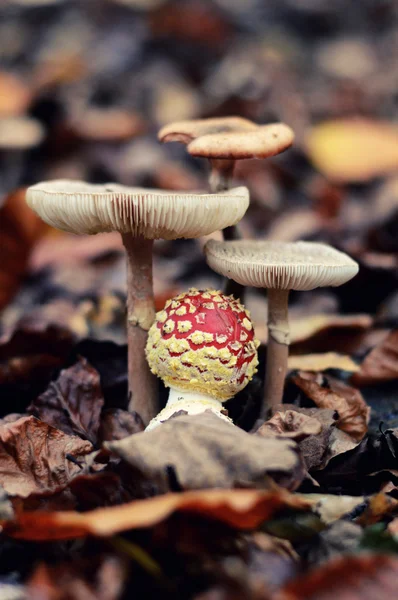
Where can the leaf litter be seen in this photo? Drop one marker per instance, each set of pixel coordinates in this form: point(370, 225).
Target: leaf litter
point(91, 505)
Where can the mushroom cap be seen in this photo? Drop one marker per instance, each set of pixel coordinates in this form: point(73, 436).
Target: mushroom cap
point(261, 142)
point(83, 208)
point(186, 131)
point(203, 342)
point(281, 265)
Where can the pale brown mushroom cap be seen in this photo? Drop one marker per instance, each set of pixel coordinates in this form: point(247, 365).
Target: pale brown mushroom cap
point(83, 208)
point(280, 265)
point(261, 142)
point(186, 131)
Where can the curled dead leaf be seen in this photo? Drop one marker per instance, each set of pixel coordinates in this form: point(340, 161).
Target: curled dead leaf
point(203, 451)
point(381, 364)
point(353, 411)
point(37, 458)
point(290, 424)
point(73, 402)
point(241, 509)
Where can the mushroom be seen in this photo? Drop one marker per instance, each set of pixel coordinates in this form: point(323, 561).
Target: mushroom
point(223, 141)
point(279, 267)
point(140, 215)
point(202, 346)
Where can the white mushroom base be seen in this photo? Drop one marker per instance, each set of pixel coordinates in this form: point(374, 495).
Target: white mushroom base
point(190, 402)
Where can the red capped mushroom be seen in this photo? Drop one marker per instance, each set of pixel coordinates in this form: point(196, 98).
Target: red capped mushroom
point(202, 346)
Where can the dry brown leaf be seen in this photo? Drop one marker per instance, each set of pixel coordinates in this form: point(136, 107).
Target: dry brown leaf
point(321, 362)
point(353, 150)
point(20, 228)
point(241, 509)
point(34, 457)
point(353, 411)
point(366, 577)
point(117, 424)
point(381, 364)
point(290, 424)
point(315, 448)
point(207, 452)
point(73, 402)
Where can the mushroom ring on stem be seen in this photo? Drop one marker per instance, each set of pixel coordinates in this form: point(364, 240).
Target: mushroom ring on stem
point(279, 267)
point(202, 346)
point(140, 215)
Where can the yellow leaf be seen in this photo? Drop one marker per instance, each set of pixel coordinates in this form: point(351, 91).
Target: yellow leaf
point(353, 150)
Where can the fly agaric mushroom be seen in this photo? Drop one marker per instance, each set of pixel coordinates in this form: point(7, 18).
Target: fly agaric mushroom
point(279, 267)
point(140, 215)
point(202, 346)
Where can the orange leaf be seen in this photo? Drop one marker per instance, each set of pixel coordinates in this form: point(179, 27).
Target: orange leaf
point(351, 577)
point(242, 509)
point(352, 150)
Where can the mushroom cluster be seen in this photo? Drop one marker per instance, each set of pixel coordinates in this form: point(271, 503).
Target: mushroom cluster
point(202, 346)
point(140, 216)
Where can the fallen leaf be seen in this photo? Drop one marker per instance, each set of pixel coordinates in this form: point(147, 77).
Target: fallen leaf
point(322, 362)
point(20, 228)
point(34, 457)
point(354, 150)
point(205, 452)
point(353, 411)
point(240, 509)
point(304, 329)
point(314, 448)
point(365, 577)
point(381, 364)
point(291, 425)
point(117, 424)
point(73, 402)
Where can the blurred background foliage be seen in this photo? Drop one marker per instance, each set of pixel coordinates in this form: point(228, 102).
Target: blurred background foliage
point(84, 87)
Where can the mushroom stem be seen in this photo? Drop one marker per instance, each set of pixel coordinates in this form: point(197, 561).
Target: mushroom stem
point(140, 316)
point(277, 349)
point(220, 179)
point(221, 174)
point(192, 403)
